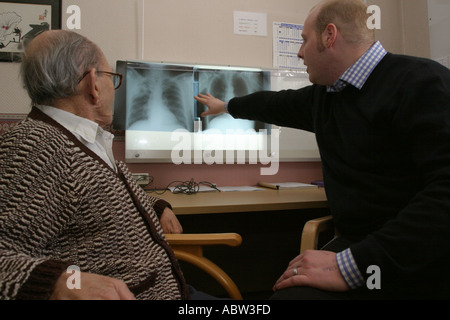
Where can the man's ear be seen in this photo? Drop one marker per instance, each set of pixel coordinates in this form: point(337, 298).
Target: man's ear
point(92, 86)
point(329, 35)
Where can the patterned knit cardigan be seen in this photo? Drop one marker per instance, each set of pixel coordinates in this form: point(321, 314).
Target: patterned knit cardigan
point(61, 205)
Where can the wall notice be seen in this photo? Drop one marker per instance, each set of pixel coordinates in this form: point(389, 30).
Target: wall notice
point(287, 40)
point(250, 23)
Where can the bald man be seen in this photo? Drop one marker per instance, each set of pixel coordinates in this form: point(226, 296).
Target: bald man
point(382, 124)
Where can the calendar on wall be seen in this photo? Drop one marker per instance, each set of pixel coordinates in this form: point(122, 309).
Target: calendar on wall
point(287, 40)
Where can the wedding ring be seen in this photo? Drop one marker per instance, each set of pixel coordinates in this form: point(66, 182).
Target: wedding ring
point(295, 271)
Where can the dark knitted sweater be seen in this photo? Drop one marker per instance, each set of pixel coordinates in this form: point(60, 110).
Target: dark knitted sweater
point(61, 205)
point(386, 162)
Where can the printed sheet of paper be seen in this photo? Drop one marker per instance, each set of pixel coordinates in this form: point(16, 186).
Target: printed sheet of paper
point(287, 40)
point(250, 23)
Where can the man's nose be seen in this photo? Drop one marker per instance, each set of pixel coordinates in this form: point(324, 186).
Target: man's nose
point(300, 52)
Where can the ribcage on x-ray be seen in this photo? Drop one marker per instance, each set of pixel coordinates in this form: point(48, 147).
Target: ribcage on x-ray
point(160, 100)
point(226, 85)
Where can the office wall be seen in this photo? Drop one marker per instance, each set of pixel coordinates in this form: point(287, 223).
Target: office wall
point(201, 31)
point(439, 21)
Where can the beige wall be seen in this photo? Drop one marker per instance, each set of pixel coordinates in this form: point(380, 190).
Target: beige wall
point(439, 25)
point(201, 31)
point(415, 28)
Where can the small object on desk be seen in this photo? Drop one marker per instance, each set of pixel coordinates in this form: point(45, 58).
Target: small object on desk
point(177, 189)
point(318, 183)
point(286, 185)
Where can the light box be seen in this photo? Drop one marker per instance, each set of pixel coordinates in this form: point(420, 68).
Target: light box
point(156, 107)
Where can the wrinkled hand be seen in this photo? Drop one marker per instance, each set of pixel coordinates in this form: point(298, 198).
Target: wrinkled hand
point(92, 287)
point(169, 222)
point(315, 268)
point(215, 106)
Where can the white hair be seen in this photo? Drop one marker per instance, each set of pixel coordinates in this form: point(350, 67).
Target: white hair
point(53, 69)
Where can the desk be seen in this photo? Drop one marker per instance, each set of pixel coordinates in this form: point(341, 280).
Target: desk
point(246, 201)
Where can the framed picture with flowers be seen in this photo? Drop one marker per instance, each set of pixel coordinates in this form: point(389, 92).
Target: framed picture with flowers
point(21, 21)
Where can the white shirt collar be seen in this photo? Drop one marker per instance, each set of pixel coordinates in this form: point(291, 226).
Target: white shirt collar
point(86, 131)
point(82, 127)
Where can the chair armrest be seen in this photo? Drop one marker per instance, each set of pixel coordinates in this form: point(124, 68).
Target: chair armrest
point(188, 247)
point(311, 231)
point(204, 239)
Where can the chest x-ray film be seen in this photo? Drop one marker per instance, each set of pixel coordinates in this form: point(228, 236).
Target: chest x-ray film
point(160, 97)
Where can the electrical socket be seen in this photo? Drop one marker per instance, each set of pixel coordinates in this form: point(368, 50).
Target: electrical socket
point(141, 178)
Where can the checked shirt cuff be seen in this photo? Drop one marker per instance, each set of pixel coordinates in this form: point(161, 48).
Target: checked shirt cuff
point(349, 269)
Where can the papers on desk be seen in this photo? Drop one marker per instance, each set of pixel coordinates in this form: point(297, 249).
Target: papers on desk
point(242, 188)
point(202, 188)
point(287, 185)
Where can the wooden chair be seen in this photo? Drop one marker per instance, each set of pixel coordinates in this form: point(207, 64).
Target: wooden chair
point(312, 230)
point(189, 248)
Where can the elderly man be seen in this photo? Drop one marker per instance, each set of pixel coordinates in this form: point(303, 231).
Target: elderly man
point(65, 201)
point(382, 123)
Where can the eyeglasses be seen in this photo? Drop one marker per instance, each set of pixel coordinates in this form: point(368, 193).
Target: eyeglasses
point(115, 77)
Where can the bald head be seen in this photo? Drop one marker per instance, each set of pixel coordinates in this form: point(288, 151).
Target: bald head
point(41, 40)
point(349, 16)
